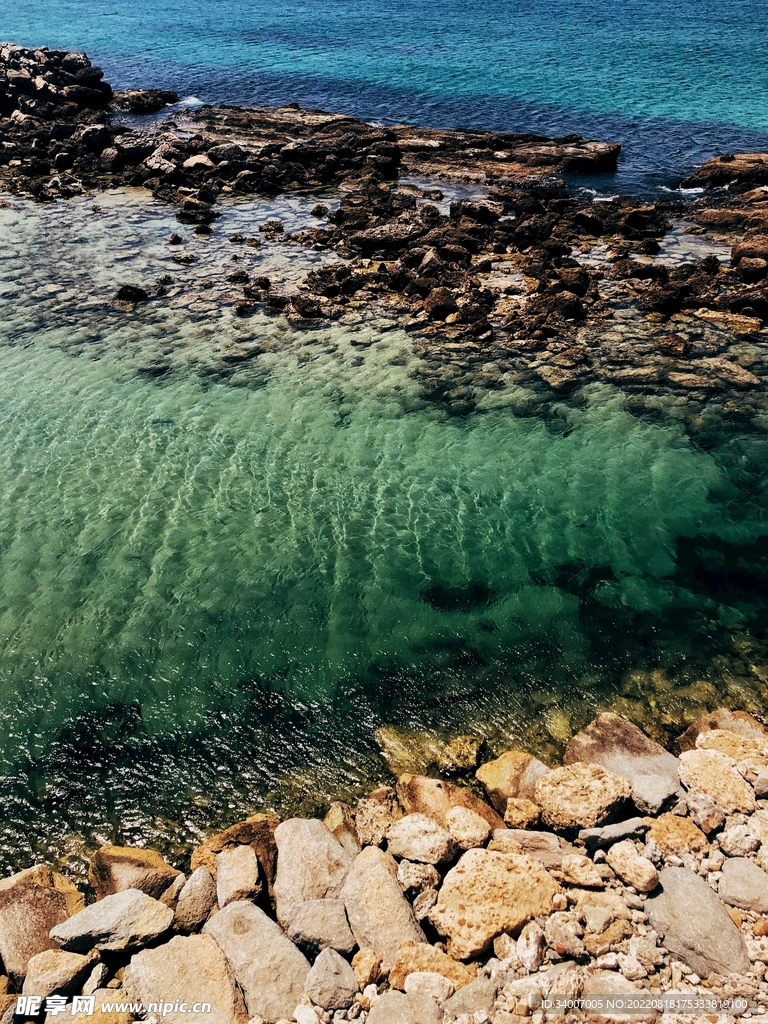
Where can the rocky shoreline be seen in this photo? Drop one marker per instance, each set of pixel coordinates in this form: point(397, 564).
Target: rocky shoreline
point(627, 873)
point(523, 275)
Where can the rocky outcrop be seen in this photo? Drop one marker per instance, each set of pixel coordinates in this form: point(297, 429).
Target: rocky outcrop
point(435, 799)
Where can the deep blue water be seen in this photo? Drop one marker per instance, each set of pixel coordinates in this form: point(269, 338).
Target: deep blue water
point(674, 83)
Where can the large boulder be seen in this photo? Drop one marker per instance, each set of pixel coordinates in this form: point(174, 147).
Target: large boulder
point(321, 924)
point(675, 835)
point(267, 966)
point(375, 813)
point(55, 972)
point(511, 776)
point(695, 926)
point(311, 865)
point(380, 917)
point(751, 755)
point(580, 795)
point(188, 970)
point(237, 875)
point(31, 903)
point(196, 901)
point(331, 983)
point(631, 868)
point(714, 774)
point(739, 722)
point(743, 884)
point(258, 831)
point(122, 922)
point(116, 868)
point(488, 893)
point(622, 748)
point(421, 957)
point(417, 837)
point(435, 798)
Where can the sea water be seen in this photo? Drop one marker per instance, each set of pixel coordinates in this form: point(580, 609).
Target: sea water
point(674, 84)
point(219, 576)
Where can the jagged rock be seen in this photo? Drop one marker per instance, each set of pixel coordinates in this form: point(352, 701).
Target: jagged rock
point(601, 838)
point(622, 748)
point(561, 934)
point(750, 755)
point(579, 870)
point(739, 841)
point(704, 812)
point(196, 901)
point(237, 875)
point(417, 837)
point(189, 969)
point(55, 972)
point(419, 957)
point(687, 914)
point(121, 922)
point(340, 822)
point(488, 893)
point(521, 813)
point(743, 884)
point(380, 917)
point(631, 868)
point(435, 798)
point(738, 722)
point(170, 896)
point(675, 835)
point(467, 828)
point(116, 868)
point(321, 924)
point(267, 966)
point(31, 903)
point(367, 967)
point(531, 946)
point(713, 773)
point(514, 774)
point(407, 750)
point(423, 903)
point(331, 982)
point(258, 831)
point(132, 293)
point(580, 795)
point(311, 865)
point(375, 813)
point(418, 877)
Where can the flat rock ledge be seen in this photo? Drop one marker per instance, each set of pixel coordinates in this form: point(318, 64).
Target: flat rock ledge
point(419, 905)
point(521, 273)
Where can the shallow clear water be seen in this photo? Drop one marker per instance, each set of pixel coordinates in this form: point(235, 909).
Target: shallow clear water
point(217, 582)
point(674, 85)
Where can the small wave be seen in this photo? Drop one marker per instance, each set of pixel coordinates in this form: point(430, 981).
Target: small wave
point(190, 101)
point(682, 191)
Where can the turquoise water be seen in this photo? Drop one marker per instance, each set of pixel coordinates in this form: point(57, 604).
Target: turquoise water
point(216, 583)
point(673, 84)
